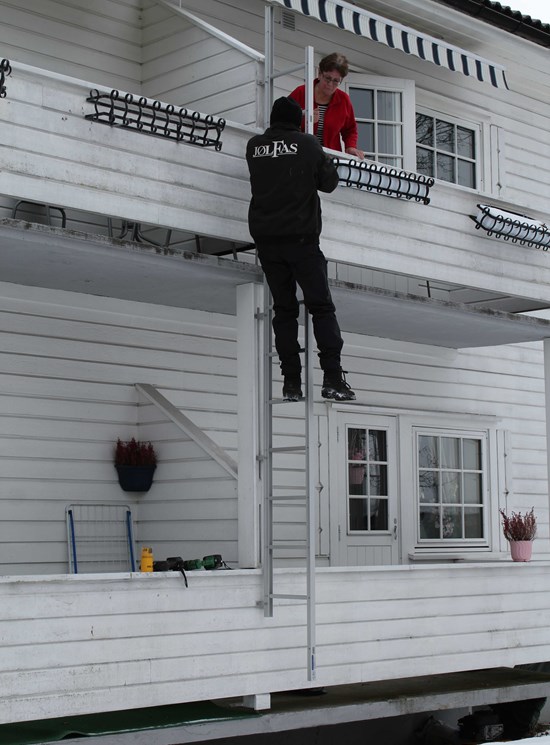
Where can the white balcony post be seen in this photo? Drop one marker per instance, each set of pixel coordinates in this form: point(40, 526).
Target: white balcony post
point(249, 299)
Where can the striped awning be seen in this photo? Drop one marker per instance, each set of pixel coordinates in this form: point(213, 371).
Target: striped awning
point(371, 26)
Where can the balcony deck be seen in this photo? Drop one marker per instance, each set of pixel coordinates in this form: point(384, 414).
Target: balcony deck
point(78, 262)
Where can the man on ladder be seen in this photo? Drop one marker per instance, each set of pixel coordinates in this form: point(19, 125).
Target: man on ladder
point(287, 169)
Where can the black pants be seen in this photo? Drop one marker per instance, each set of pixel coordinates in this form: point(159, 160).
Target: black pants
point(302, 263)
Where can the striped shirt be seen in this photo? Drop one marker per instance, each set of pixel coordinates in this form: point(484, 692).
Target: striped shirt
point(322, 107)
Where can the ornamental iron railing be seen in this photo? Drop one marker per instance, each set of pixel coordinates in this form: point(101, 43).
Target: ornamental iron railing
point(512, 227)
point(155, 118)
point(384, 179)
point(5, 70)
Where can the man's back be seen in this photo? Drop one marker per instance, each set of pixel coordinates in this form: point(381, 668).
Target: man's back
point(287, 168)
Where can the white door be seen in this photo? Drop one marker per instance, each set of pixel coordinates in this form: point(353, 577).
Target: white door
point(364, 501)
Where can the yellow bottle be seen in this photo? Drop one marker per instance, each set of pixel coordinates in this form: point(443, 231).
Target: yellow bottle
point(146, 564)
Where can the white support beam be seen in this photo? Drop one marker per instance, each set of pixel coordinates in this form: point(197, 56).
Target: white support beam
point(189, 427)
point(546, 345)
point(213, 31)
point(249, 302)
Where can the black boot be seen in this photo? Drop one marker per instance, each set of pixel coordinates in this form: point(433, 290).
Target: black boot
point(336, 388)
point(292, 389)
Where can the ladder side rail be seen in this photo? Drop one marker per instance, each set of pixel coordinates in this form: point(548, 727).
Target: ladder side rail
point(270, 74)
point(267, 457)
point(309, 66)
point(311, 470)
point(269, 30)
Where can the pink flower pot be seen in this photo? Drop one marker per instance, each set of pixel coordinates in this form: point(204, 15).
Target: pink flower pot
point(521, 550)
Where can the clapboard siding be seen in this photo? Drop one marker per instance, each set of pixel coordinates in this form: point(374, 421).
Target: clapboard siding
point(189, 67)
point(67, 392)
point(174, 184)
point(504, 383)
point(100, 43)
point(67, 372)
point(126, 642)
point(523, 117)
point(109, 167)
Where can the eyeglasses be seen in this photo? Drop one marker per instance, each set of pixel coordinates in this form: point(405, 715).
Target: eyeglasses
point(334, 81)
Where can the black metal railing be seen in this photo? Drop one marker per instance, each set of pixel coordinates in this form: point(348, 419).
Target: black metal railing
point(512, 227)
point(155, 118)
point(5, 70)
point(384, 179)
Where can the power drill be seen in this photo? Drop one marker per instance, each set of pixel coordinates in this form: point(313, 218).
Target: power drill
point(212, 561)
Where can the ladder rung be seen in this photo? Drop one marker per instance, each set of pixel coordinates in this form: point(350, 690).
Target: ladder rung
point(287, 497)
point(294, 449)
point(280, 596)
point(284, 401)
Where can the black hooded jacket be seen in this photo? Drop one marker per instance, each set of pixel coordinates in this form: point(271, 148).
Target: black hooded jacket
point(287, 168)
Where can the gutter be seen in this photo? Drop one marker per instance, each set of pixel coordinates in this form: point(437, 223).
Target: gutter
point(504, 18)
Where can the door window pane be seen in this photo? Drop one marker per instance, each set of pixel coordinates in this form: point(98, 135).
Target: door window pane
point(379, 115)
point(362, 100)
point(389, 139)
point(377, 444)
point(366, 136)
point(379, 514)
point(358, 514)
point(367, 469)
point(378, 480)
point(389, 106)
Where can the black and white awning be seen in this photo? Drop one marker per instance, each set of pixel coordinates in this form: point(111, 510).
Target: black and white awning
point(364, 23)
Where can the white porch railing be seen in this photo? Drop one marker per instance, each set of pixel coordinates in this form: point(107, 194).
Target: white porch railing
point(90, 643)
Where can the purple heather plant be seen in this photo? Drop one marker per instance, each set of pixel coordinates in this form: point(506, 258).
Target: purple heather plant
point(518, 527)
point(134, 453)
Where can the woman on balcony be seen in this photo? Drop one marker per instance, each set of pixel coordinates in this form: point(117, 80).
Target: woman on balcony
point(333, 115)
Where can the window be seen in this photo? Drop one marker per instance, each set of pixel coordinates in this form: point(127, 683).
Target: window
point(380, 124)
point(424, 132)
point(446, 150)
point(384, 110)
point(450, 488)
point(368, 497)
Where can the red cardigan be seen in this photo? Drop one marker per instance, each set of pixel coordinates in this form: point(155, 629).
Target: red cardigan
point(339, 119)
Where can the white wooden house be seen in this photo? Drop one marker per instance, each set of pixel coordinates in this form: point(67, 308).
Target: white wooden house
point(129, 302)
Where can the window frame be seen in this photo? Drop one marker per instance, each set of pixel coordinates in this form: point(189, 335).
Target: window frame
point(497, 478)
point(365, 464)
point(489, 156)
point(477, 129)
point(454, 544)
point(408, 109)
point(490, 140)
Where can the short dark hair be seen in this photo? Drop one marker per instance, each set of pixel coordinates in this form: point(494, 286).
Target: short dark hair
point(335, 61)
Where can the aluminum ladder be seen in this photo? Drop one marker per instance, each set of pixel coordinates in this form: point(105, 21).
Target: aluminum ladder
point(270, 545)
